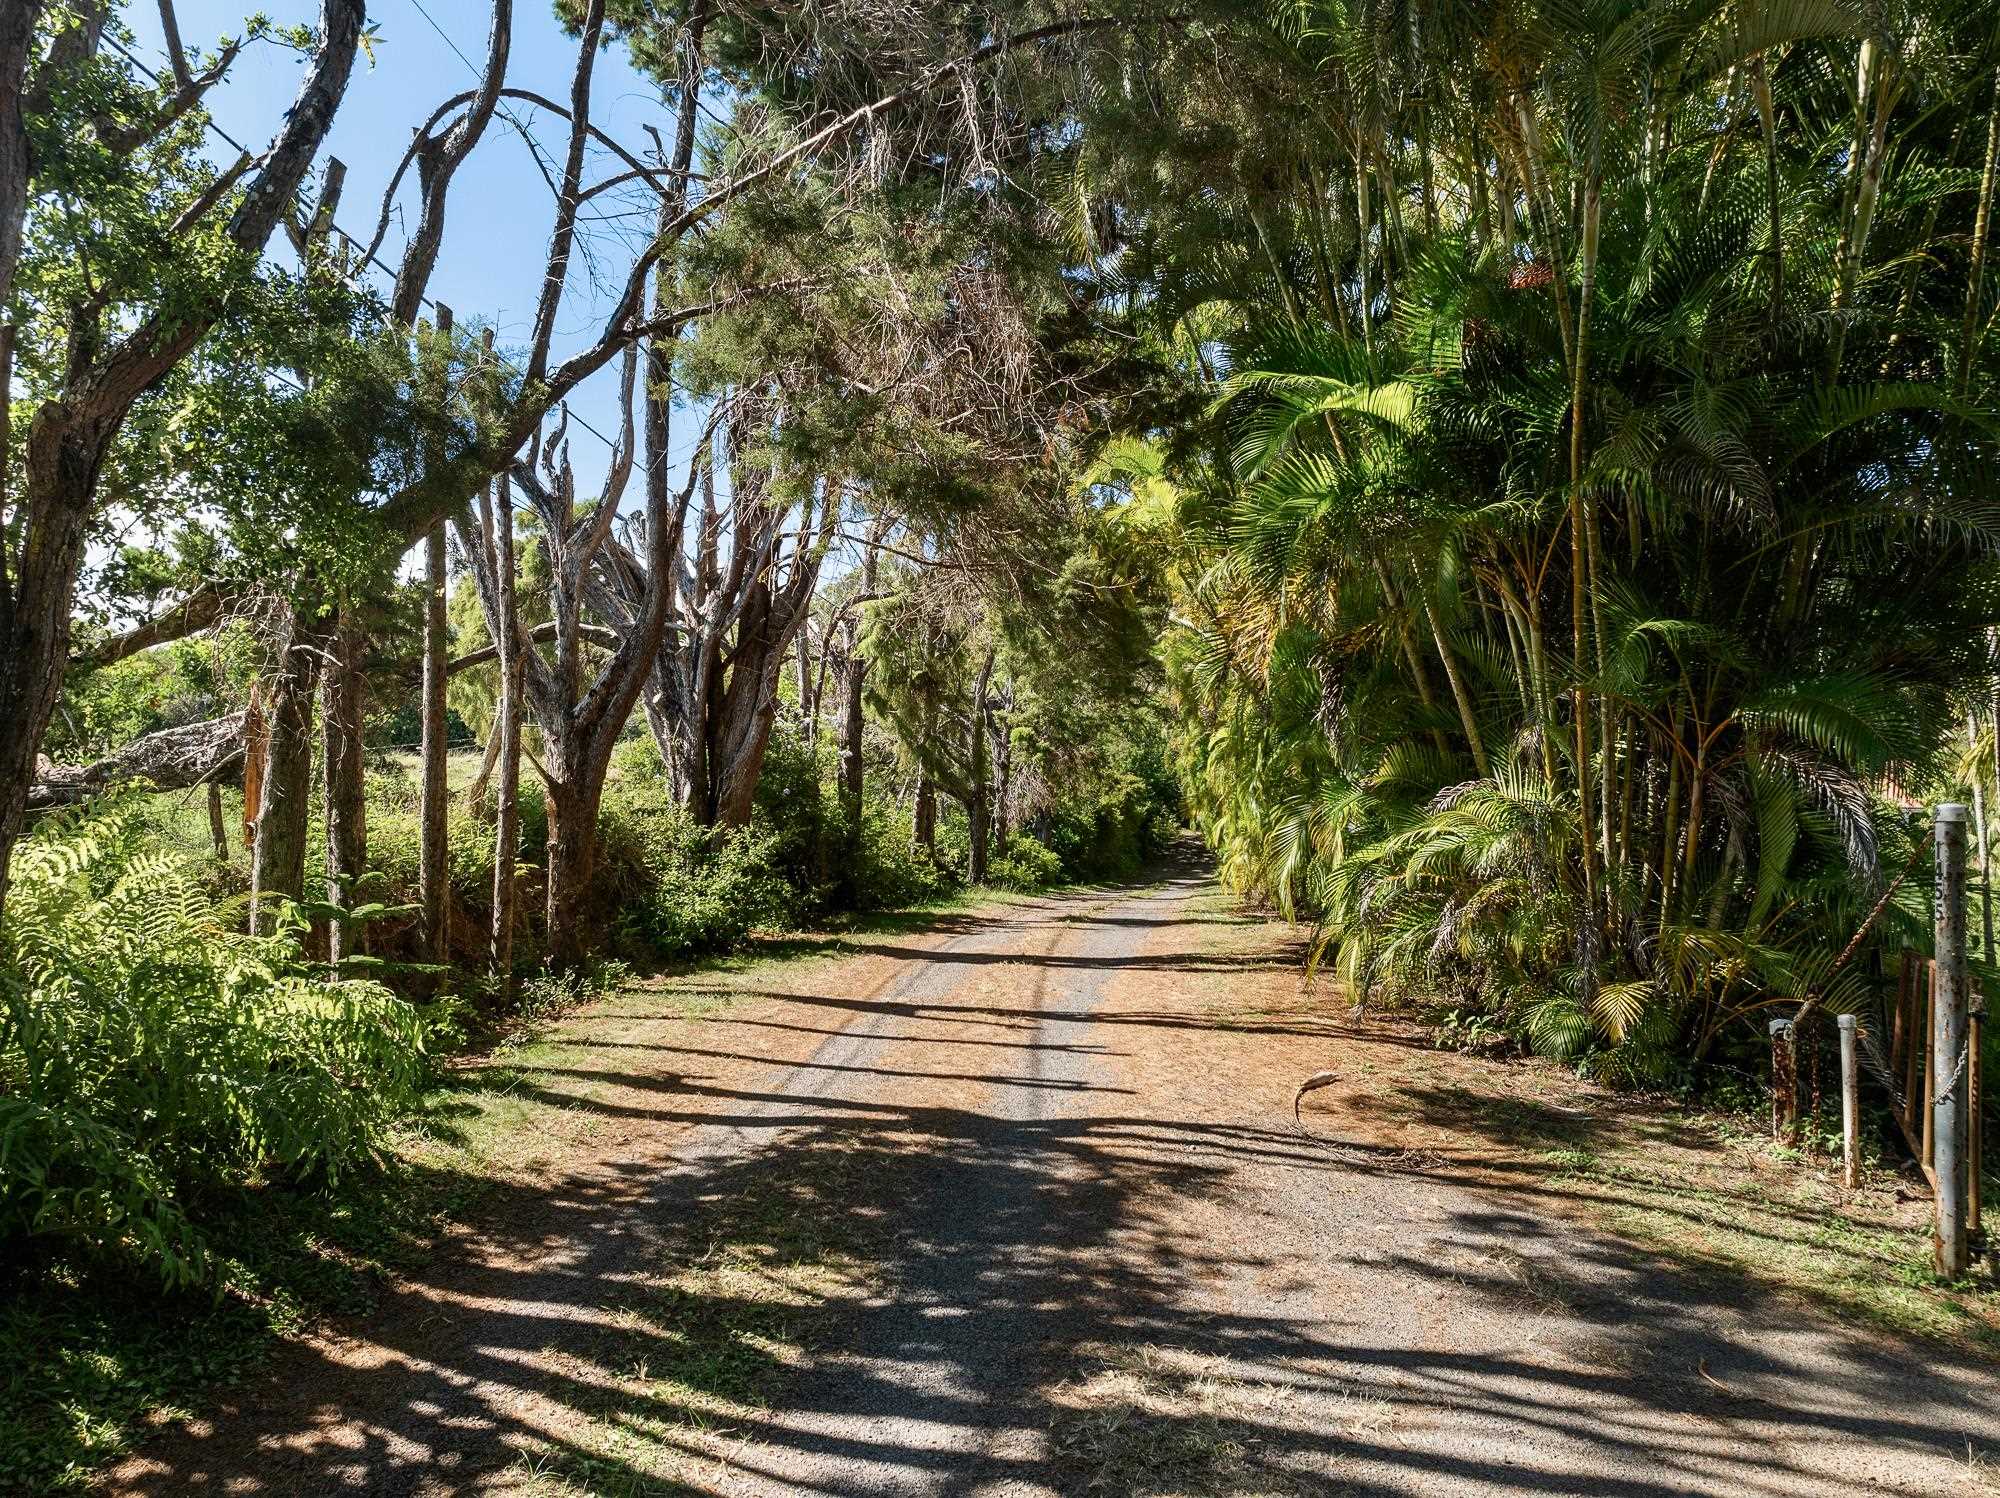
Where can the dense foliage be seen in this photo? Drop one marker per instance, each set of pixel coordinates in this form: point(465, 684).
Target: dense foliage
point(1584, 551)
point(149, 1052)
point(1530, 516)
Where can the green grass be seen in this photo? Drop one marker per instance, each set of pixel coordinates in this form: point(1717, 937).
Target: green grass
point(1864, 1263)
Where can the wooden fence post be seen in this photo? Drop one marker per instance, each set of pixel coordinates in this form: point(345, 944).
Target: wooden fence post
point(1850, 1104)
point(1784, 1080)
point(1910, 1005)
point(1948, 1040)
point(1927, 1110)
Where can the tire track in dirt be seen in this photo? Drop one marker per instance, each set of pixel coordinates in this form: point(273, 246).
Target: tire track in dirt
point(467, 1366)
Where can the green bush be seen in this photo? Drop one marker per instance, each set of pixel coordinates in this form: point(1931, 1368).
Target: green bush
point(893, 872)
point(1026, 865)
point(685, 890)
point(148, 1050)
point(1113, 835)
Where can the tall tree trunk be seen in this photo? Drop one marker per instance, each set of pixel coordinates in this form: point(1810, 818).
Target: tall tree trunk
point(507, 815)
point(345, 795)
point(575, 790)
point(1976, 267)
point(1767, 115)
point(1003, 774)
point(978, 806)
point(925, 817)
point(481, 788)
point(853, 677)
point(256, 751)
point(803, 674)
point(278, 854)
point(433, 863)
point(17, 189)
point(218, 830)
point(1459, 693)
point(1582, 522)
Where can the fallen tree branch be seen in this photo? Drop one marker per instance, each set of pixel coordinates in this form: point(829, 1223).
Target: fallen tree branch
point(172, 759)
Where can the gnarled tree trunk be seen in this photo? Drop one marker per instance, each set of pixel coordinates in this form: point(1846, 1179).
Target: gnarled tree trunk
point(345, 795)
point(278, 850)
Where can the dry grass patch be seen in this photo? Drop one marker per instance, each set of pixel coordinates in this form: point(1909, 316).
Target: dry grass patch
point(1163, 1423)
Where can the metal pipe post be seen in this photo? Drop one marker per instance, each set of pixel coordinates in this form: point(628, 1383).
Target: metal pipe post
point(1948, 1045)
point(1850, 1104)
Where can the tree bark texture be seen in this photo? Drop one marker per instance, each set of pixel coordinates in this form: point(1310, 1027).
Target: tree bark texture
point(278, 854)
point(507, 817)
point(978, 807)
point(345, 790)
point(925, 830)
point(170, 759)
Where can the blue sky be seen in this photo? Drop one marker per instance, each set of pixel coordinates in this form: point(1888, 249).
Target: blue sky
point(497, 224)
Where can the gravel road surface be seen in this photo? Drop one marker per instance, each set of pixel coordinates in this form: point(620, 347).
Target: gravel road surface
point(1100, 1259)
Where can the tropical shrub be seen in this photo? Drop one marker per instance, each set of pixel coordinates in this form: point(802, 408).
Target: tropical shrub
point(148, 1051)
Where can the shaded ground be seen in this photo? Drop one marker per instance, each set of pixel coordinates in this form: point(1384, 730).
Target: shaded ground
point(1017, 1207)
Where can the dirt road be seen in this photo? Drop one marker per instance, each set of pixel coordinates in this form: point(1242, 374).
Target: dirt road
point(1017, 1207)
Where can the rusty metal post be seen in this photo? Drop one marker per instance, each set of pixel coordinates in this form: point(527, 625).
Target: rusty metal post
point(1784, 1079)
point(1948, 1038)
point(1975, 1113)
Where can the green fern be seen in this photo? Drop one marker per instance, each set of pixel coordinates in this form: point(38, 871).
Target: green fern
point(146, 1050)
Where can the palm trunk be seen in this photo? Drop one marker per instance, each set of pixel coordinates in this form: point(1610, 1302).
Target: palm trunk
point(1760, 79)
point(1867, 191)
point(1976, 269)
point(1671, 834)
point(1361, 251)
point(1460, 695)
point(1582, 527)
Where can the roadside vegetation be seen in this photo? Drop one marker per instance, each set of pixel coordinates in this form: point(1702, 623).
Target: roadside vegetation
point(1515, 478)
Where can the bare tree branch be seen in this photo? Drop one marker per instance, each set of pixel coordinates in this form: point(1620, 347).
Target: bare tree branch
point(563, 236)
point(438, 161)
point(170, 28)
point(189, 92)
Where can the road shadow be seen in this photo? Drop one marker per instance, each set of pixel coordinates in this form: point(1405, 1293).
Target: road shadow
point(823, 1292)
